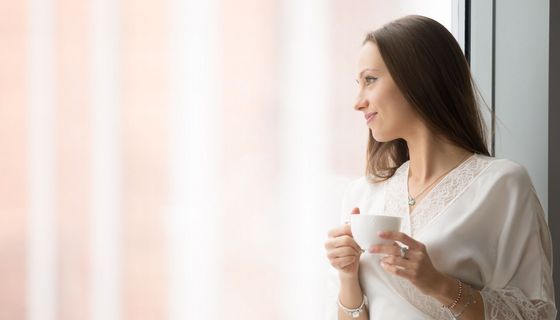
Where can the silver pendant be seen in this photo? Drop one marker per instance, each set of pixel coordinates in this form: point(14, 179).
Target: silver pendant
point(411, 201)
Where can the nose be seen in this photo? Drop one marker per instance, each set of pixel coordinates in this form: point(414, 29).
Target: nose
point(361, 103)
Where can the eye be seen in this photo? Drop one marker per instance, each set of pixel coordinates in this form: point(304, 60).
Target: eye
point(370, 80)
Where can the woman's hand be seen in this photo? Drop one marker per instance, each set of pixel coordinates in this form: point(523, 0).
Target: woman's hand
point(415, 266)
point(342, 251)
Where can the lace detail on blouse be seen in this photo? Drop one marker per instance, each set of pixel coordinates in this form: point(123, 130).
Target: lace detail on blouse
point(422, 302)
point(511, 303)
point(446, 191)
point(395, 197)
point(449, 188)
point(504, 304)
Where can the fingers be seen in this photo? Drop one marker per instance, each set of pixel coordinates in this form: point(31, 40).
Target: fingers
point(400, 262)
point(392, 249)
point(342, 263)
point(342, 241)
point(340, 231)
point(399, 271)
point(402, 237)
point(409, 269)
point(342, 252)
point(395, 251)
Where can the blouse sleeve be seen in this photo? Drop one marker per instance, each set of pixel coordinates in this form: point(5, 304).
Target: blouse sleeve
point(521, 285)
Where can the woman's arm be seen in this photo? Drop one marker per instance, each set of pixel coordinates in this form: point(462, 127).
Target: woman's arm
point(351, 297)
point(469, 304)
point(413, 263)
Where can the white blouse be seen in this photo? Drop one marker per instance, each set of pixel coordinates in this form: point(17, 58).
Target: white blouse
point(482, 224)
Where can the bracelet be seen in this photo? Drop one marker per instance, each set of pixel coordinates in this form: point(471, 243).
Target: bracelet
point(354, 313)
point(472, 300)
point(459, 296)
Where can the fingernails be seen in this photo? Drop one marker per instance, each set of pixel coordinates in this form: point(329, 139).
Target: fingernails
point(374, 249)
point(382, 233)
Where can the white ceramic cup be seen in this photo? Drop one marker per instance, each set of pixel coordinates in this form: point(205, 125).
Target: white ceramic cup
point(366, 227)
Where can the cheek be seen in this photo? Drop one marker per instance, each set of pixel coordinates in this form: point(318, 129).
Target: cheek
point(395, 106)
point(382, 96)
point(393, 115)
point(376, 98)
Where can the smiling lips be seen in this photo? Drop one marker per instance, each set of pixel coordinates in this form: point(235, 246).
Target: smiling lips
point(370, 116)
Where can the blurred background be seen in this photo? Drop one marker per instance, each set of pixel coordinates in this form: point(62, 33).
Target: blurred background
point(177, 159)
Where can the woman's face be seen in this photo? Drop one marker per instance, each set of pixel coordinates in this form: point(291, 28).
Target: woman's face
point(387, 113)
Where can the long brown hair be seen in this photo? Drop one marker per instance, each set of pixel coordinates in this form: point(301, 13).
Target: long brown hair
point(431, 72)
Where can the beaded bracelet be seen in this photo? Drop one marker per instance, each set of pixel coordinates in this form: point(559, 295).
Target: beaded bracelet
point(459, 296)
point(471, 300)
point(354, 313)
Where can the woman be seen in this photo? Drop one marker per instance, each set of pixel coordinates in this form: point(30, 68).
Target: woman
point(474, 243)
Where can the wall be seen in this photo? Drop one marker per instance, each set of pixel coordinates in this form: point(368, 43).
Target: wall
point(510, 66)
point(554, 139)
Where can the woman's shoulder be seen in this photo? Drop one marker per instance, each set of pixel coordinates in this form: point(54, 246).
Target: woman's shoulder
point(506, 178)
point(503, 168)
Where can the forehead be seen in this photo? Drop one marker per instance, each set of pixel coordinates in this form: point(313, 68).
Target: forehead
point(370, 58)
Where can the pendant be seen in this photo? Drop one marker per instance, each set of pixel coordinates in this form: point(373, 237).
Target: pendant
point(411, 201)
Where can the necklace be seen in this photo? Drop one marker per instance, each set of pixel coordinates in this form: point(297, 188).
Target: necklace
point(412, 200)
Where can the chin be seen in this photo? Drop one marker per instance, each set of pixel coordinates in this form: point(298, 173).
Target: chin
point(380, 137)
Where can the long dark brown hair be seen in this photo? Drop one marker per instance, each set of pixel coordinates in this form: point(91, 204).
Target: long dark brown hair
point(431, 72)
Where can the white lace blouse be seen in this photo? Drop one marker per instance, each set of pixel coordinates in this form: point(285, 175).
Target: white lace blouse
point(482, 223)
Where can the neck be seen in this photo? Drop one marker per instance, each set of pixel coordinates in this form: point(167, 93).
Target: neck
point(431, 156)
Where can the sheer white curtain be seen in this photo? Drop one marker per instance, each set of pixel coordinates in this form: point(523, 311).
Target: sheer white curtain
point(182, 159)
